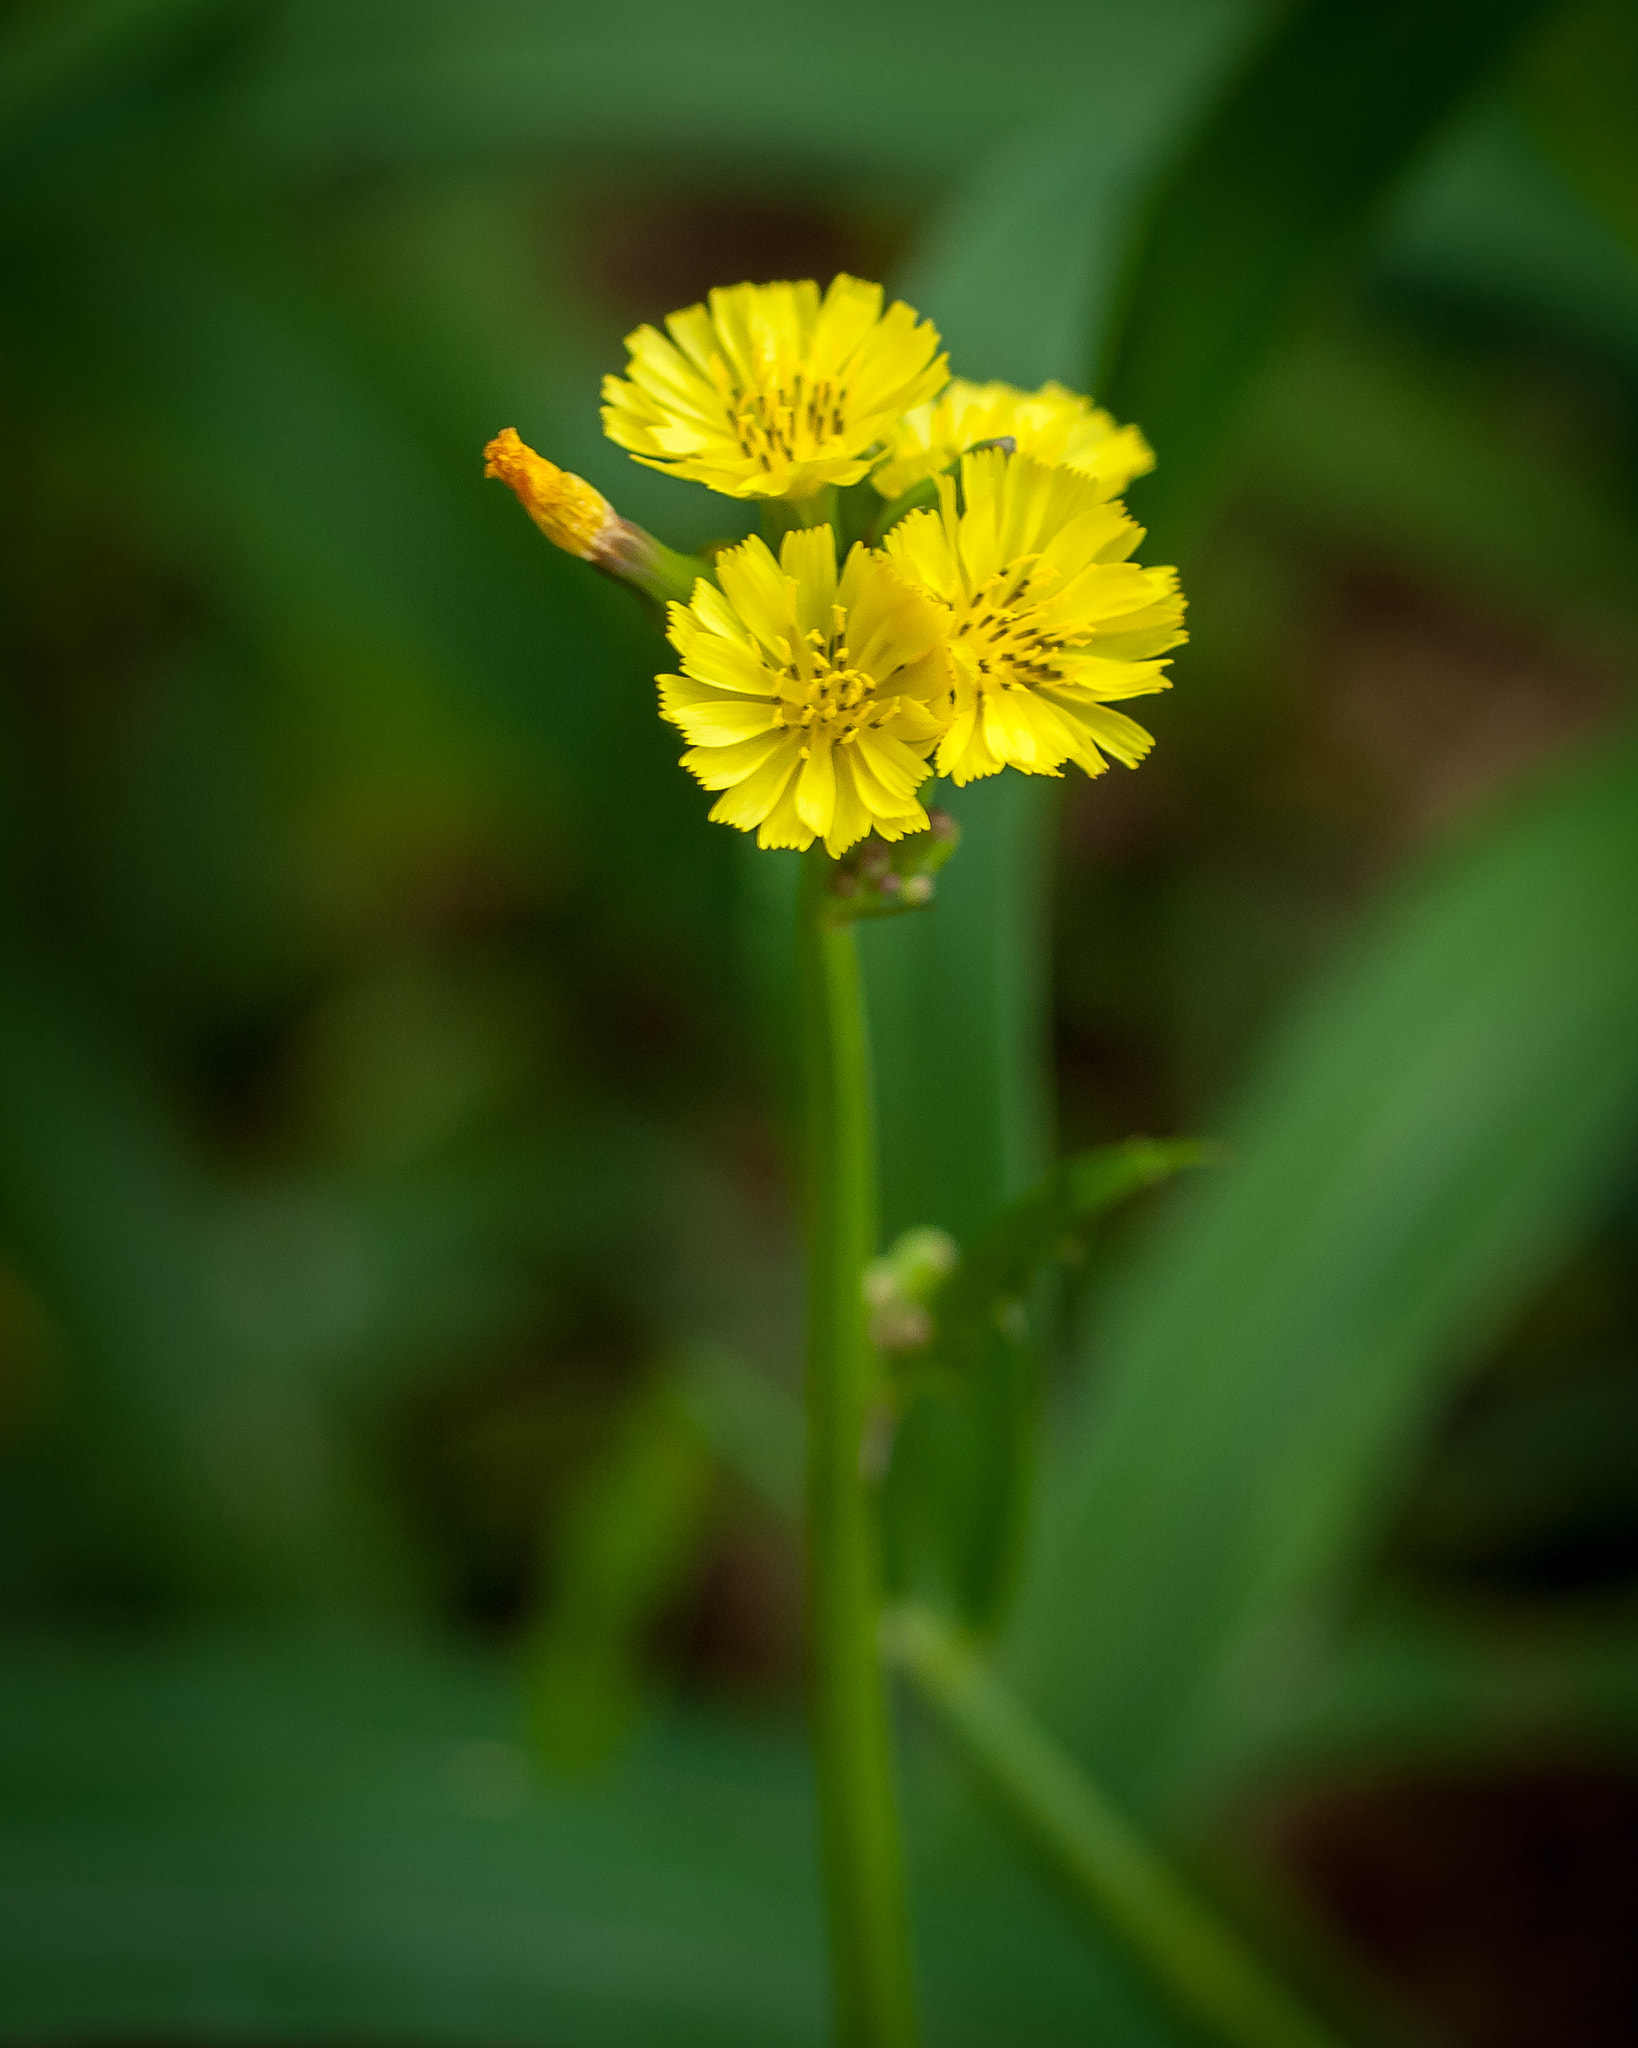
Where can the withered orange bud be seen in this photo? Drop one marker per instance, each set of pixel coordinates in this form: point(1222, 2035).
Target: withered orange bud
point(572, 513)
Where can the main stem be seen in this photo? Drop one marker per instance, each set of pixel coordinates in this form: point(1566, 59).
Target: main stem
point(858, 1812)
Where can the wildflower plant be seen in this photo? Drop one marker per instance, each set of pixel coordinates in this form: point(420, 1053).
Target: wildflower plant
point(991, 620)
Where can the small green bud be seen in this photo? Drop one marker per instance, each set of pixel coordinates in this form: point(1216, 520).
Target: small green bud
point(878, 878)
point(900, 1286)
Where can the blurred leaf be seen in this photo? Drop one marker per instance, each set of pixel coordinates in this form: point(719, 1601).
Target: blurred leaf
point(1537, 1489)
point(1577, 95)
point(958, 1015)
point(1422, 1685)
point(1491, 222)
point(200, 1460)
point(1019, 264)
point(1051, 1222)
point(957, 1011)
point(1196, 1959)
point(268, 1839)
point(1271, 188)
point(1371, 441)
point(960, 1485)
point(394, 83)
point(626, 1542)
point(755, 1427)
point(219, 1339)
point(46, 51)
point(327, 482)
point(1422, 1140)
point(1411, 443)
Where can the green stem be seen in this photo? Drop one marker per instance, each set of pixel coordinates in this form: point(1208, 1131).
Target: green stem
point(894, 509)
point(858, 1810)
point(1202, 1965)
point(786, 515)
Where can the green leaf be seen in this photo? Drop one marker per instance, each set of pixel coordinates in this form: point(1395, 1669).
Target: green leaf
point(1212, 1977)
point(48, 52)
point(336, 490)
point(1020, 264)
point(960, 1486)
point(1422, 1141)
point(272, 1838)
point(957, 1005)
point(394, 84)
point(1271, 189)
point(1408, 1684)
point(1052, 1221)
point(757, 1429)
point(196, 1456)
point(1577, 95)
point(1370, 440)
point(1493, 223)
point(626, 1543)
point(957, 1008)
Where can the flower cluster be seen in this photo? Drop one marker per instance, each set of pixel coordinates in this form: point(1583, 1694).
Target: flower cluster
point(989, 618)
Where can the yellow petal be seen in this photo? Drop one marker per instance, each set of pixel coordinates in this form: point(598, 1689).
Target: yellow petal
point(740, 762)
point(816, 786)
point(755, 585)
point(748, 800)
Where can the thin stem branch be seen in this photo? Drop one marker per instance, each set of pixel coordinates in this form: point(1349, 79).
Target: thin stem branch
point(1201, 1964)
point(858, 1811)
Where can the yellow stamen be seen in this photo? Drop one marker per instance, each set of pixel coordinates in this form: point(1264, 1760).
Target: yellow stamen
point(571, 513)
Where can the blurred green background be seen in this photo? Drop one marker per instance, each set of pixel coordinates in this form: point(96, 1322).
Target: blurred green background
point(399, 1288)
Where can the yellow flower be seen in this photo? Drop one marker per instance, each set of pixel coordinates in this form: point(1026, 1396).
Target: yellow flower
point(773, 392)
point(812, 703)
point(1054, 425)
point(1047, 619)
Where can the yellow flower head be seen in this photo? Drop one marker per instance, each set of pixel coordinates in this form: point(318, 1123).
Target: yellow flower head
point(1047, 619)
point(810, 701)
point(1054, 425)
point(773, 392)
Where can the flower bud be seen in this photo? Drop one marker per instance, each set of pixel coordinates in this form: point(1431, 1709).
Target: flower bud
point(572, 513)
point(576, 517)
point(900, 1286)
point(878, 879)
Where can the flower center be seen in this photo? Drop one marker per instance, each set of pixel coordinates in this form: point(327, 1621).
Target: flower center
point(824, 692)
point(781, 418)
point(999, 644)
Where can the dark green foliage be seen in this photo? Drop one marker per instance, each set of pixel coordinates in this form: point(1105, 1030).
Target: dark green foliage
point(285, 1842)
point(1423, 1142)
point(1273, 186)
point(960, 1488)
